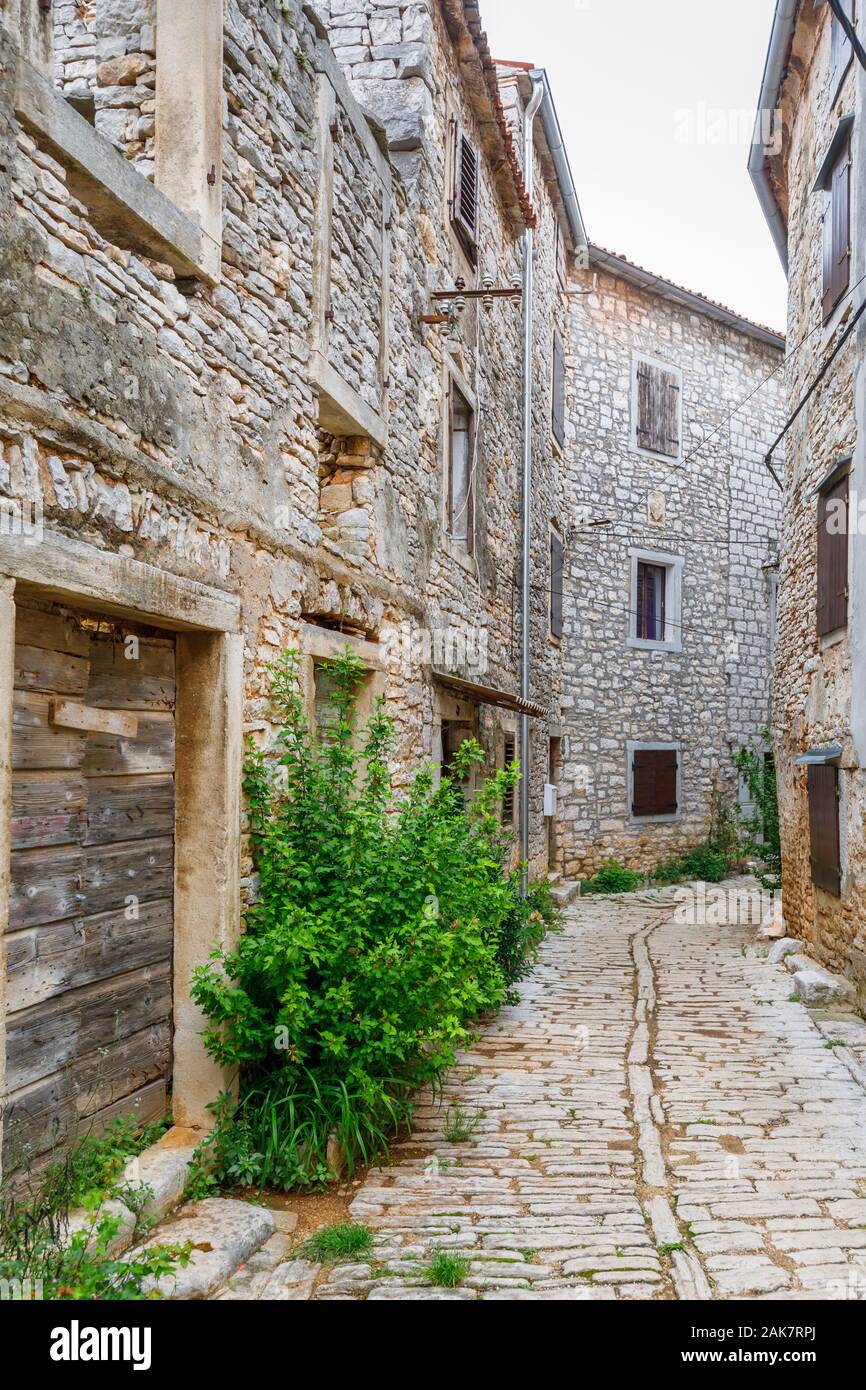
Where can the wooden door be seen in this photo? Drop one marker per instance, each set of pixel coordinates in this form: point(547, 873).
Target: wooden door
point(88, 1027)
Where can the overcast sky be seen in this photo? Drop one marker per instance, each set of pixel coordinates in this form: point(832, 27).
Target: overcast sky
point(653, 101)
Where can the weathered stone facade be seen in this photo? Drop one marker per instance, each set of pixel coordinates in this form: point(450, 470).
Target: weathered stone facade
point(711, 513)
point(818, 684)
point(232, 330)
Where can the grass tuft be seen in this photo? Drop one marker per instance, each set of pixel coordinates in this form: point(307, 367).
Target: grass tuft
point(338, 1242)
point(446, 1271)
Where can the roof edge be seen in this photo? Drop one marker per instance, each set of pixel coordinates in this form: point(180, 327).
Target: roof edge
point(625, 269)
point(775, 68)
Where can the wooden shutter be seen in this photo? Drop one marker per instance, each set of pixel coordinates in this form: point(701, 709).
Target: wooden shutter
point(557, 555)
point(832, 577)
point(509, 755)
point(841, 50)
point(464, 205)
point(654, 782)
point(837, 230)
point(658, 411)
point(824, 828)
point(558, 408)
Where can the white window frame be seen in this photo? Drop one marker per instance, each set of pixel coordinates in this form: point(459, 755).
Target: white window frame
point(637, 360)
point(640, 746)
point(673, 564)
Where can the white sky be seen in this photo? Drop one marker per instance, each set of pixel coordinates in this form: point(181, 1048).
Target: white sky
point(631, 79)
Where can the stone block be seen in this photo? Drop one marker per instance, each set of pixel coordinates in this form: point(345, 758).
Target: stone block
point(780, 949)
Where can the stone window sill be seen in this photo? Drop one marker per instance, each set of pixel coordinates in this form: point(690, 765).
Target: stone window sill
point(124, 206)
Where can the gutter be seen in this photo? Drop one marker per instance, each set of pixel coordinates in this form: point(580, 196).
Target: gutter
point(559, 155)
point(775, 68)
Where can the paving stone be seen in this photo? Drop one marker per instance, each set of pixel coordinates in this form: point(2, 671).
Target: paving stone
point(223, 1232)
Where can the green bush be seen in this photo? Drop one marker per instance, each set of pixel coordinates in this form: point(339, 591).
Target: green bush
point(377, 938)
point(761, 839)
point(706, 863)
point(523, 928)
point(613, 877)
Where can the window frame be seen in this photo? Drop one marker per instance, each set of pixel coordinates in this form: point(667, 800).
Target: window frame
point(641, 746)
point(454, 381)
point(557, 390)
point(556, 538)
point(673, 632)
point(827, 183)
point(638, 360)
point(467, 234)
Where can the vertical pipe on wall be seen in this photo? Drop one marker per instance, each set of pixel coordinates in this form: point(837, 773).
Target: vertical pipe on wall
point(526, 492)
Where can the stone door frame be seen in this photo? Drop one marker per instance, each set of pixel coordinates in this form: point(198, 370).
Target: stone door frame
point(209, 656)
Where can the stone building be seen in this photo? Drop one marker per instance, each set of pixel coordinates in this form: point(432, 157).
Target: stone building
point(672, 528)
point(811, 181)
point(265, 343)
point(243, 406)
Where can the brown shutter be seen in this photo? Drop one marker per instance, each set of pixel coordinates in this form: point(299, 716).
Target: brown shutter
point(464, 206)
point(837, 231)
point(557, 556)
point(832, 565)
point(658, 410)
point(509, 754)
point(824, 828)
point(841, 50)
point(558, 409)
point(654, 782)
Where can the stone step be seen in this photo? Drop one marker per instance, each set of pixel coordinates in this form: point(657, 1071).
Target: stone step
point(162, 1169)
point(565, 891)
point(224, 1234)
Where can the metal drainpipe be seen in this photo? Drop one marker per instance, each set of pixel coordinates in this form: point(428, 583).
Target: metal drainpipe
point(526, 495)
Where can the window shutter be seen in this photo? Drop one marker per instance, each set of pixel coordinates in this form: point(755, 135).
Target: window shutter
point(832, 577)
point(837, 231)
point(654, 782)
point(658, 410)
point(508, 757)
point(841, 50)
point(557, 556)
point(824, 828)
point(465, 200)
point(558, 420)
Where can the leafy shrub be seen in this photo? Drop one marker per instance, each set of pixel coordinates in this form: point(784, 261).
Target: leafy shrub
point(41, 1258)
point(523, 928)
point(761, 839)
point(706, 863)
point(613, 877)
point(376, 939)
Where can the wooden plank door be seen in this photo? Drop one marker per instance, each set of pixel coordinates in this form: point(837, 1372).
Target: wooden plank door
point(88, 1026)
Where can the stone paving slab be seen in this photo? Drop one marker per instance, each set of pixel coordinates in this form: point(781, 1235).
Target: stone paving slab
point(656, 1119)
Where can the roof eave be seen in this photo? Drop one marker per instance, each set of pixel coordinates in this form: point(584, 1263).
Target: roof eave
point(775, 67)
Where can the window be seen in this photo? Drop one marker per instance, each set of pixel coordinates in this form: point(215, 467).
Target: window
point(656, 408)
point(561, 257)
point(654, 777)
point(651, 585)
point(509, 755)
point(841, 49)
point(655, 606)
point(464, 201)
point(461, 448)
point(558, 392)
point(557, 558)
point(832, 566)
point(824, 827)
point(834, 181)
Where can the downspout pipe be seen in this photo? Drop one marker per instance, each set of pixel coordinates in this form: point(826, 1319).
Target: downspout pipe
point(782, 34)
point(526, 490)
point(559, 155)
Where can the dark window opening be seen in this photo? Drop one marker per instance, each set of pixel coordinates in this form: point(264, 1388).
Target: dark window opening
point(824, 840)
point(651, 599)
point(655, 774)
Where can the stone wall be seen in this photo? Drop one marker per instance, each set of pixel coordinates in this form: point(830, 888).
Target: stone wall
point(817, 694)
point(712, 509)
